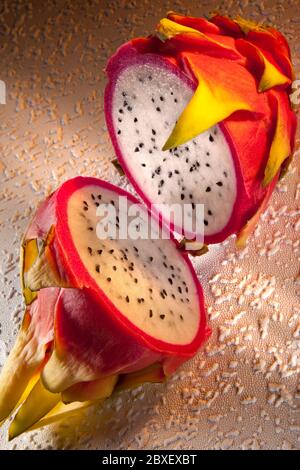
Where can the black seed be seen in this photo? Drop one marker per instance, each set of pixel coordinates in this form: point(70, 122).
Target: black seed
point(176, 172)
point(90, 229)
point(208, 189)
point(172, 93)
point(207, 164)
point(150, 313)
point(179, 290)
point(150, 290)
point(125, 103)
point(152, 139)
point(111, 251)
point(186, 160)
point(135, 249)
point(161, 98)
point(121, 111)
point(114, 268)
point(85, 208)
point(127, 299)
point(97, 267)
point(119, 120)
point(141, 80)
point(153, 132)
point(99, 252)
point(193, 205)
point(150, 151)
point(97, 204)
point(143, 164)
point(225, 174)
point(170, 280)
point(135, 280)
point(93, 197)
point(129, 108)
point(109, 279)
point(208, 154)
point(205, 222)
point(181, 317)
point(187, 149)
point(165, 292)
point(123, 93)
point(90, 250)
point(170, 174)
point(158, 109)
point(165, 264)
point(150, 77)
point(175, 100)
point(136, 149)
point(151, 258)
point(209, 212)
point(211, 138)
point(162, 294)
point(219, 183)
point(85, 203)
point(173, 295)
point(119, 132)
point(159, 192)
point(152, 99)
point(182, 197)
point(135, 119)
point(162, 316)
point(158, 170)
point(172, 267)
point(161, 183)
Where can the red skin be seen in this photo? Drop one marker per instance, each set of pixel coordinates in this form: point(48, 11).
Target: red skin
point(248, 136)
point(88, 326)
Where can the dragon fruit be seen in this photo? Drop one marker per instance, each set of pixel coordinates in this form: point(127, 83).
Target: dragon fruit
point(199, 113)
point(103, 314)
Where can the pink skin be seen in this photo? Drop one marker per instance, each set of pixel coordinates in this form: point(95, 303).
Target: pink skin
point(249, 170)
point(102, 338)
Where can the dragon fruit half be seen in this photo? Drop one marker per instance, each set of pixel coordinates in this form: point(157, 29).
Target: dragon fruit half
point(102, 314)
point(199, 113)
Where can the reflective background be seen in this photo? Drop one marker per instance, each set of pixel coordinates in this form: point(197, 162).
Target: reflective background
point(241, 391)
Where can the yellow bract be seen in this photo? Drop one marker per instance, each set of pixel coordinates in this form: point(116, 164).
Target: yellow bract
point(208, 106)
point(167, 29)
point(280, 149)
point(247, 25)
point(271, 76)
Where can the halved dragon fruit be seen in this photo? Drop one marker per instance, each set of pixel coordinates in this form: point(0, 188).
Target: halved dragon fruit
point(104, 313)
point(200, 114)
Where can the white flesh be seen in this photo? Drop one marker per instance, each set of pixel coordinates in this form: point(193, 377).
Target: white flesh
point(138, 113)
point(174, 320)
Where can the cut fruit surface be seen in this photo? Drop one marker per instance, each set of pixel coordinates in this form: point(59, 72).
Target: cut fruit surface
point(107, 304)
point(200, 172)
